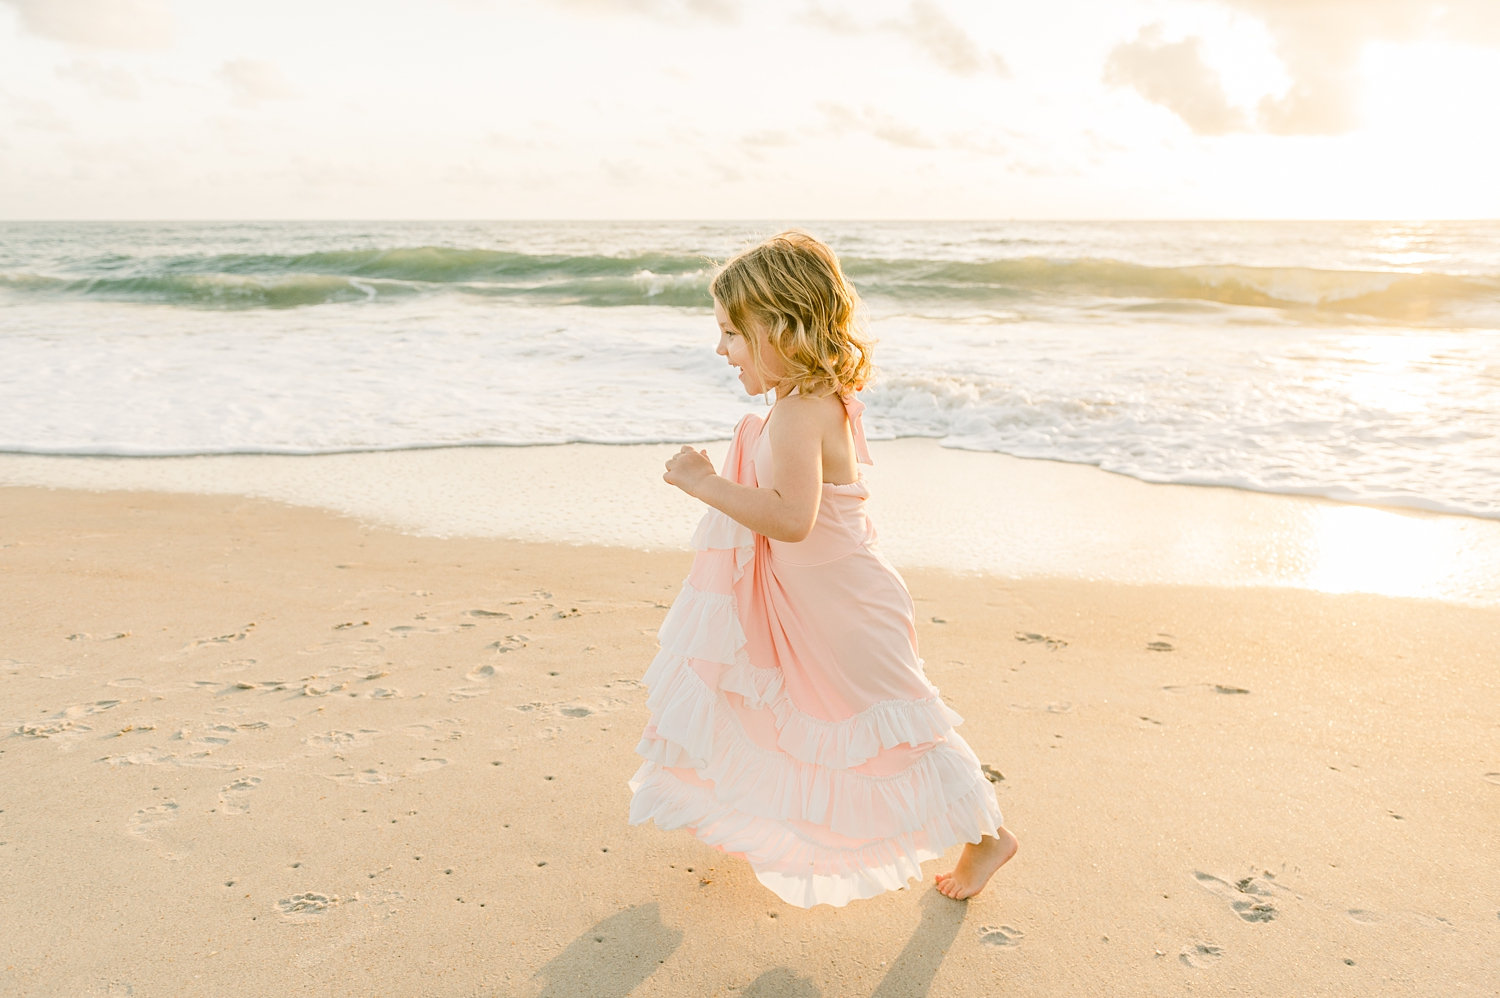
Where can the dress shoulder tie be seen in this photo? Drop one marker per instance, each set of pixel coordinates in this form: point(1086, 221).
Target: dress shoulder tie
point(853, 407)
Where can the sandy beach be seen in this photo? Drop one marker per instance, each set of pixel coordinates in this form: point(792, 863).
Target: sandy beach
point(256, 748)
point(345, 358)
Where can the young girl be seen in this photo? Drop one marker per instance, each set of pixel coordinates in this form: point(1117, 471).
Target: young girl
point(790, 719)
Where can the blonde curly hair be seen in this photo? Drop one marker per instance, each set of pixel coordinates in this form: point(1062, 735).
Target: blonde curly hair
point(792, 287)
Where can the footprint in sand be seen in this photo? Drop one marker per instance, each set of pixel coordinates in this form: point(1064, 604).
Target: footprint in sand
point(480, 674)
point(338, 741)
point(68, 721)
point(222, 639)
point(126, 682)
point(1001, 936)
point(1206, 688)
point(308, 907)
point(1041, 639)
point(365, 777)
point(232, 798)
point(1363, 917)
point(1246, 897)
point(1200, 955)
point(52, 728)
point(213, 737)
point(1492, 778)
point(1436, 922)
point(512, 642)
point(149, 820)
point(1160, 646)
point(376, 777)
point(489, 614)
point(148, 757)
point(570, 708)
point(441, 730)
point(1056, 707)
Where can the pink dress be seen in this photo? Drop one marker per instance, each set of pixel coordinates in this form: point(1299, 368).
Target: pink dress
point(790, 719)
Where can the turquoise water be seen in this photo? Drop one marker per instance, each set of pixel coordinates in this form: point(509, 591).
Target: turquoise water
point(1358, 361)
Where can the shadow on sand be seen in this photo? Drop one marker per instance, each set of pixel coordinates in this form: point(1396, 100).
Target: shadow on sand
point(781, 982)
point(611, 959)
point(912, 971)
point(617, 954)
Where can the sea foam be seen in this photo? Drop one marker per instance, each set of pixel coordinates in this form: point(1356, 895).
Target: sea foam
point(1289, 358)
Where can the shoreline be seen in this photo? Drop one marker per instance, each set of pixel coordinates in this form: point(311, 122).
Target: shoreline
point(964, 511)
point(1396, 504)
point(401, 760)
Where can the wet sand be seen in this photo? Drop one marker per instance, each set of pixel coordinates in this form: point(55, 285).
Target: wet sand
point(251, 748)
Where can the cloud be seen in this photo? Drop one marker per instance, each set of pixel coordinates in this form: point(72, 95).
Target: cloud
point(106, 81)
point(724, 11)
point(252, 81)
point(927, 27)
point(37, 115)
point(125, 24)
point(1320, 42)
point(882, 126)
point(1174, 75)
point(947, 44)
point(769, 137)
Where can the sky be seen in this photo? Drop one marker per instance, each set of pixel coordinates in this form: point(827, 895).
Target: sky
point(749, 109)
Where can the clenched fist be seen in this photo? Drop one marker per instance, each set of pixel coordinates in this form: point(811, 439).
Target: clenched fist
point(688, 469)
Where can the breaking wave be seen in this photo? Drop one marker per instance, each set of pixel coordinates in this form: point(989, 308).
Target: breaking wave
point(255, 280)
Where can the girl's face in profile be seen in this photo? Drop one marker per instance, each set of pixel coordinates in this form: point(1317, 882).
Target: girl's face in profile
point(733, 346)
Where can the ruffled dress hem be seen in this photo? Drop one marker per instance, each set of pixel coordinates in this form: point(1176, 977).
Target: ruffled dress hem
point(814, 826)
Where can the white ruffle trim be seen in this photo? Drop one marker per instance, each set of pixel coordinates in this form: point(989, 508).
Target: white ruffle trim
point(772, 785)
point(899, 820)
point(800, 871)
point(705, 626)
point(718, 531)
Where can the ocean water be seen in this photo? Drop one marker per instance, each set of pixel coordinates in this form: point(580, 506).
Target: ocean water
point(1354, 361)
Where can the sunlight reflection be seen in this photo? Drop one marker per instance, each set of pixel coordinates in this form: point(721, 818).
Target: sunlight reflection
point(1380, 370)
point(1359, 549)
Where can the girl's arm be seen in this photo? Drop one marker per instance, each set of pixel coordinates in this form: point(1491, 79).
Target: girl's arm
point(787, 512)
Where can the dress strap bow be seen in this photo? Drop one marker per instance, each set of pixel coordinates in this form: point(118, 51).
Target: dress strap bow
point(854, 408)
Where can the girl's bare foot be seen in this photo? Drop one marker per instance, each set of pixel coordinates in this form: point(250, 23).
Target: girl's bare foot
point(977, 865)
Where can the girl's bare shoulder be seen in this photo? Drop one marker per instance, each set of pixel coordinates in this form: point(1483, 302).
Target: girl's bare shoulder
point(806, 413)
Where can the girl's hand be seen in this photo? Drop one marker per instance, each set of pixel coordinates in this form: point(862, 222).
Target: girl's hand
point(688, 469)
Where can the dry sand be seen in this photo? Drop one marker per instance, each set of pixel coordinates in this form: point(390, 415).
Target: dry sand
point(255, 749)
